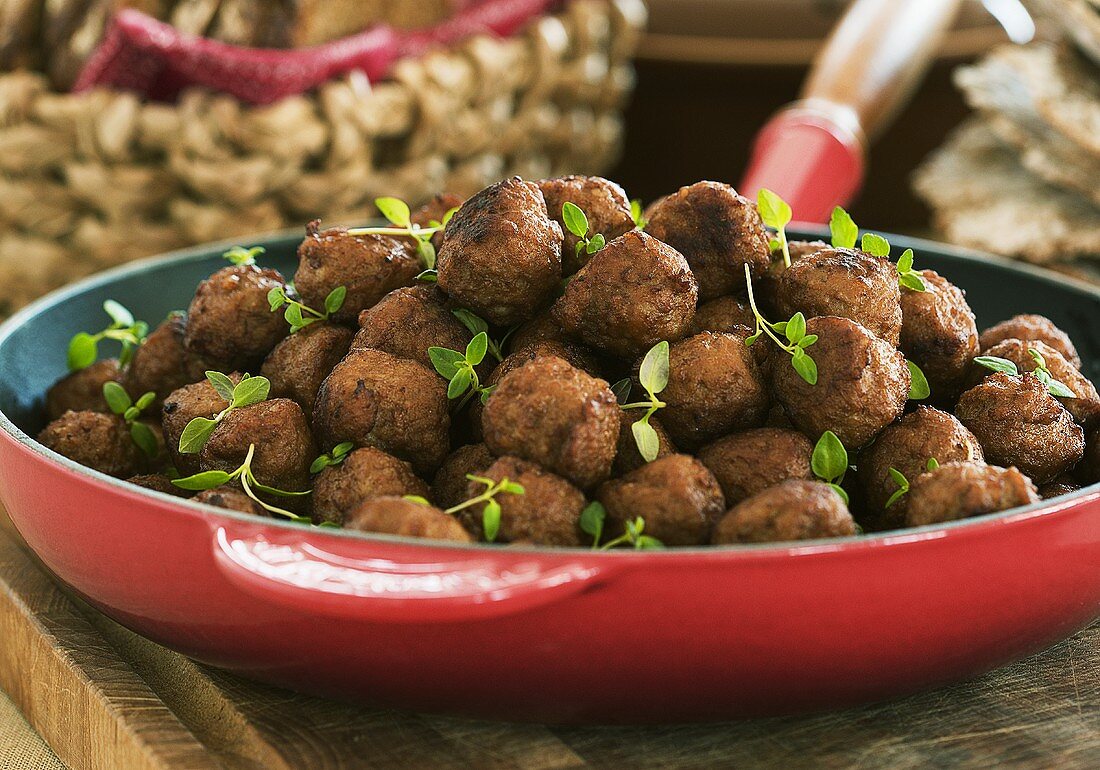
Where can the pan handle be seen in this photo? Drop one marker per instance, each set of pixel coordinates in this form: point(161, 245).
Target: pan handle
point(402, 584)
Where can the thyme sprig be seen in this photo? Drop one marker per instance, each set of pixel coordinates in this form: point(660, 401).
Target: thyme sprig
point(84, 348)
point(795, 332)
point(251, 487)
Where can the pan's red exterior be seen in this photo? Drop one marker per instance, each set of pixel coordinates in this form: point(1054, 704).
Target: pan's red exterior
point(570, 635)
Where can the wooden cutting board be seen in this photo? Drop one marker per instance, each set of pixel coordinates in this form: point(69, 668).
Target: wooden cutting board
point(103, 697)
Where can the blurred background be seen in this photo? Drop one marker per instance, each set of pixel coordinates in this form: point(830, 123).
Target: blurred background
point(132, 127)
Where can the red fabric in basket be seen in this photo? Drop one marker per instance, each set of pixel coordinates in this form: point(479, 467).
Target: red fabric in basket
point(141, 54)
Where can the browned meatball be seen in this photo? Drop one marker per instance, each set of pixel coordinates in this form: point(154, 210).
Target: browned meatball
point(284, 446)
point(449, 485)
point(231, 499)
point(100, 441)
point(229, 322)
point(715, 386)
point(628, 458)
point(552, 413)
point(1063, 485)
point(750, 462)
point(158, 482)
point(541, 328)
point(501, 253)
point(1085, 408)
point(365, 473)
point(181, 407)
point(848, 283)
point(633, 293)
point(409, 321)
point(398, 516)
point(766, 286)
point(923, 435)
point(727, 315)
point(679, 499)
point(369, 266)
point(399, 406)
point(603, 202)
point(791, 510)
point(547, 513)
point(717, 231)
point(434, 211)
point(862, 383)
point(82, 390)
point(1019, 423)
point(160, 364)
point(800, 249)
point(1031, 327)
point(1088, 470)
point(938, 333)
point(299, 364)
point(961, 490)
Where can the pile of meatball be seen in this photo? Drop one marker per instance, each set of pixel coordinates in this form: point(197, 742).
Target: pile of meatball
point(737, 426)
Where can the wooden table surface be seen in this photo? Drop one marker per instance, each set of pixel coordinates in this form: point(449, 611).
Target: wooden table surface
point(103, 697)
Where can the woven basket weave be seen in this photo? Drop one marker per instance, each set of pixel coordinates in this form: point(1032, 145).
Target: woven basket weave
point(92, 180)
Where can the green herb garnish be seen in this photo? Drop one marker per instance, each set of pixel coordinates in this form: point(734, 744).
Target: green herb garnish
point(400, 216)
point(1053, 386)
point(795, 332)
point(908, 278)
point(84, 347)
point(635, 537)
point(919, 389)
point(842, 229)
point(490, 514)
point(577, 223)
point(653, 375)
point(459, 369)
point(829, 462)
point(300, 315)
point(212, 479)
point(239, 255)
point(476, 325)
point(622, 389)
point(333, 458)
point(119, 402)
point(592, 520)
point(932, 464)
point(903, 487)
point(250, 390)
point(637, 213)
point(875, 245)
point(777, 214)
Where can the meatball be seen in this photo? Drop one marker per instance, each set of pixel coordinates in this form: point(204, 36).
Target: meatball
point(449, 485)
point(727, 315)
point(434, 211)
point(1062, 485)
point(409, 321)
point(848, 283)
point(547, 513)
point(676, 496)
point(369, 266)
point(541, 328)
point(862, 383)
point(284, 445)
point(715, 386)
point(938, 333)
point(160, 365)
point(181, 407)
point(1088, 470)
point(1085, 408)
point(551, 413)
point(501, 253)
point(299, 364)
point(751, 461)
point(791, 510)
point(82, 390)
point(1019, 423)
point(230, 325)
point(627, 457)
point(398, 516)
point(717, 231)
point(960, 490)
point(100, 441)
point(603, 202)
point(633, 293)
point(1031, 327)
point(907, 446)
point(231, 499)
point(375, 399)
point(158, 482)
point(365, 473)
point(800, 249)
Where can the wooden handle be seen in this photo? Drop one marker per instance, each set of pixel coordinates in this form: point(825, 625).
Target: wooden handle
point(874, 59)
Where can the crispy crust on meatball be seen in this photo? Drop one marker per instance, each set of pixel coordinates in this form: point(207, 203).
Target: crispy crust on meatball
point(1028, 326)
point(299, 364)
point(100, 441)
point(549, 412)
point(938, 333)
point(1085, 408)
point(369, 266)
point(717, 231)
point(1019, 423)
point(501, 253)
point(160, 365)
point(715, 386)
point(726, 315)
point(365, 473)
point(603, 202)
point(848, 283)
point(751, 461)
point(398, 516)
point(679, 499)
point(231, 499)
point(181, 407)
point(375, 399)
point(409, 321)
point(862, 383)
point(449, 485)
point(82, 390)
point(547, 513)
point(633, 293)
point(628, 458)
point(791, 510)
point(541, 328)
point(961, 490)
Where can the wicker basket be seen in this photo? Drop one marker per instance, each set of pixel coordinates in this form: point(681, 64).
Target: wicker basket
point(92, 180)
